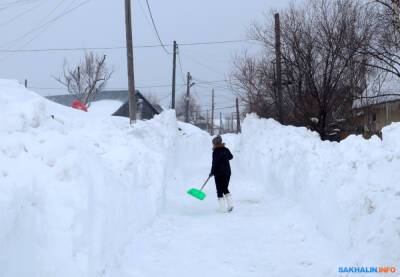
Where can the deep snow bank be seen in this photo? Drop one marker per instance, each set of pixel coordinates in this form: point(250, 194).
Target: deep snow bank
point(351, 189)
point(74, 187)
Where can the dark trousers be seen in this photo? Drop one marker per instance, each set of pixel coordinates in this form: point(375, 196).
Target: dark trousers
point(222, 183)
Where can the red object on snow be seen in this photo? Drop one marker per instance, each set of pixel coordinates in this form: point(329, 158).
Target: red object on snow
point(79, 106)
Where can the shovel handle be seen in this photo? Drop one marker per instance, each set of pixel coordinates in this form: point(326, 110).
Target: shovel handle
point(205, 183)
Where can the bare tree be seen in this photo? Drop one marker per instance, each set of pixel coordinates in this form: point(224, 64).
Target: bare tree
point(252, 79)
point(87, 78)
point(323, 66)
point(385, 48)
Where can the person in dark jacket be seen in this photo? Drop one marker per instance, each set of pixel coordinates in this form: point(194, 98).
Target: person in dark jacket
point(221, 170)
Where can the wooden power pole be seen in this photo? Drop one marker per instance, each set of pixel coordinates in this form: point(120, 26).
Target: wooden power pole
point(174, 75)
point(131, 72)
point(232, 122)
point(220, 124)
point(189, 80)
point(278, 63)
point(208, 121)
point(212, 113)
point(238, 129)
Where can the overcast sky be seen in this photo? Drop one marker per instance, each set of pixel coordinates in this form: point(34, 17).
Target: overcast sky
point(100, 23)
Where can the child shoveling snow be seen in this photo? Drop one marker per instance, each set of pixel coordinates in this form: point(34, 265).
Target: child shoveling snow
point(221, 170)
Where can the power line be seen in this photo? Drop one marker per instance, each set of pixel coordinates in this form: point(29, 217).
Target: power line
point(55, 9)
point(155, 27)
point(66, 12)
point(213, 83)
point(203, 64)
point(114, 47)
point(61, 49)
point(218, 108)
point(217, 84)
point(180, 65)
point(14, 3)
point(146, 16)
point(163, 98)
point(5, 23)
point(216, 42)
point(44, 29)
point(148, 86)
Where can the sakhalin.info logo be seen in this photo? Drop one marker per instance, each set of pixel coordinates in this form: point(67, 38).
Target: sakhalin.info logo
point(371, 269)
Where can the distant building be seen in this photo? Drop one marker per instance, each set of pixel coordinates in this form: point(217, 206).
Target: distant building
point(201, 122)
point(378, 106)
point(146, 110)
point(372, 118)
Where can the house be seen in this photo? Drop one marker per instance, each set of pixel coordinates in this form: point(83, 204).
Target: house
point(378, 107)
point(201, 122)
point(117, 101)
point(370, 119)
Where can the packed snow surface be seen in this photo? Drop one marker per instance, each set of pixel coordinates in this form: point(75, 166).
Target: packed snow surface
point(75, 188)
point(105, 107)
point(85, 194)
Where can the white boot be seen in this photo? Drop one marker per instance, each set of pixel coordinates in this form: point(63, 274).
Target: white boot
point(228, 198)
point(222, 208)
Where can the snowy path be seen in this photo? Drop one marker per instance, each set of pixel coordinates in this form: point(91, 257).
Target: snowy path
point(258, 239)
point(83, 195)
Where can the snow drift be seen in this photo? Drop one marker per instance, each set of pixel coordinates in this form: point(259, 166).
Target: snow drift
point(350, 189)
point(74, 187)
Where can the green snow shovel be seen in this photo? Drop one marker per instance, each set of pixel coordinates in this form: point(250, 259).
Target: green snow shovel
point(198, 193)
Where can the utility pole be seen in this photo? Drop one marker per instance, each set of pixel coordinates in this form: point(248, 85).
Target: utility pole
point(208, 121)
point(212, 113)
point(189, 80)
point(174, 75)
point(238, 129)
point(79, 80)
point(278, 54)
point(220, 123)
point(131, 72)
point(233, 122)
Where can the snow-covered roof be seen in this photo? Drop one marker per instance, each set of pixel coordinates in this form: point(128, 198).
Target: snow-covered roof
point(110, 96)
point(67, 99)
point(103, 107)
point(379, 91)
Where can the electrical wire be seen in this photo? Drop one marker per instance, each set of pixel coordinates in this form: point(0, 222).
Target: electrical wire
point(66, 12)
point(60, 49)
point(180, 65)
point(14, 3)
point(123, 88)
point(5, 6)
point(202, 64)
point(217, 108)
point(146, 16)
point(107, 48)
point(155, 28)
point(216, 85)
point(45, 18)
point(5, 23)
point(163, 98)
